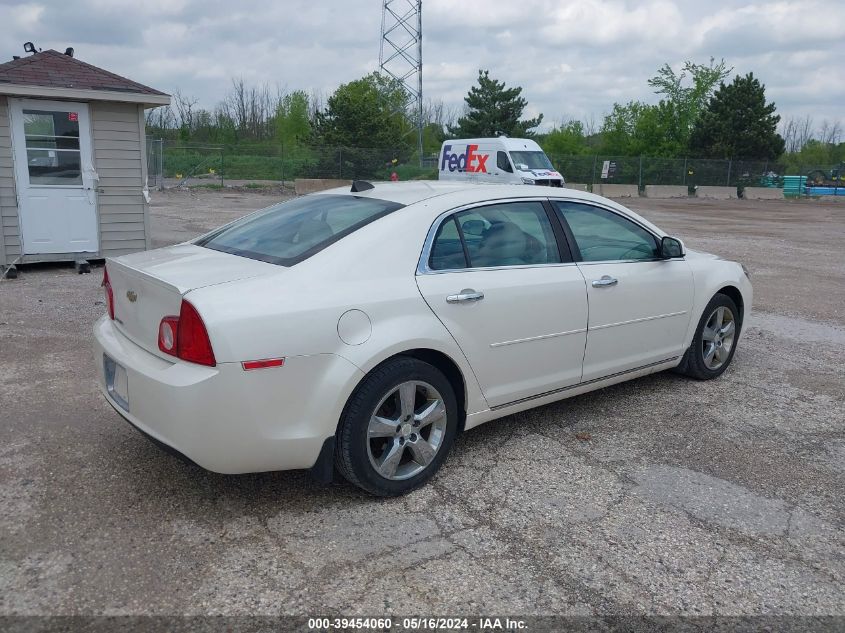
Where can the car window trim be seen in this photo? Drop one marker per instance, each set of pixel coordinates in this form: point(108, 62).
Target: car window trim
point(563, 239)
point(467, 259)
point(570, 236)
point(424, 268)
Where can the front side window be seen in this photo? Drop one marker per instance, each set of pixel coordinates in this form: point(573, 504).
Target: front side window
point(290, 232)
point(531, 160)
point(602, 235)
point(507, 234)
point(52, 147)
point(503, 163)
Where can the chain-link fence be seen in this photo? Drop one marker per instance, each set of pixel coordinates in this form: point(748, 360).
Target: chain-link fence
point(191, 164)
point(154, 162)
point(172, 163)
point(645, 170)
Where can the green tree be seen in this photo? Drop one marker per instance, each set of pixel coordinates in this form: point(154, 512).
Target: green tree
point(738, 123)
point(433, 137)
point(619, 126)
point(815, 154)
point(292, 123)
point(685, 101)
point(494, 110)
point(367, 112)
point(566, 140)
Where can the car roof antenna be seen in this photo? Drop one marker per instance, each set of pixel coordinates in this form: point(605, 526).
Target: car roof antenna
point(361, 185)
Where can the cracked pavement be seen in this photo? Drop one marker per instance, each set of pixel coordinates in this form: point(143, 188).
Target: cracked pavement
point(658, 496)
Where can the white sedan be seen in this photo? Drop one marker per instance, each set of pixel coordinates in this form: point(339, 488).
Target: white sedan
point(361, 330)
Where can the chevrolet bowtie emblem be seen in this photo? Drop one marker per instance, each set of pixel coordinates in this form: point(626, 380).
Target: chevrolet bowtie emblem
point(132, 296)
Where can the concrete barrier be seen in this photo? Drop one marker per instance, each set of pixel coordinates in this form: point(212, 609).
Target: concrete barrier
point(666, 191)
point(762, 193)
point(716, 193)
point(310, 185)
point(617, 191)
point(580, 186)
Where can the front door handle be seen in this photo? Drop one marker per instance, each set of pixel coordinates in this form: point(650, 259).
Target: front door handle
point(605, 281)
point(464, 296)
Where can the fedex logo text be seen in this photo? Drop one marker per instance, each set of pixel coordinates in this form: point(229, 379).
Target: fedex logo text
point(468, 161)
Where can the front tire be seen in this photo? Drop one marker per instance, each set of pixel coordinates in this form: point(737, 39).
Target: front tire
point(397, 427)
point(714, 343)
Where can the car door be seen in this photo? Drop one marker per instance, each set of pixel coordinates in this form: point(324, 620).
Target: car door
point(639, 303)
point(504, 285)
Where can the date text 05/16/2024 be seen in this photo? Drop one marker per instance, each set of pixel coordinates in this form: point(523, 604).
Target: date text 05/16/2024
point(482, 624)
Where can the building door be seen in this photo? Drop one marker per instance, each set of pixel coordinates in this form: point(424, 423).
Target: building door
point(54, 176)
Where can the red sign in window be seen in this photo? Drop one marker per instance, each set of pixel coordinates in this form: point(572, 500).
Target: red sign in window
point(73, 116)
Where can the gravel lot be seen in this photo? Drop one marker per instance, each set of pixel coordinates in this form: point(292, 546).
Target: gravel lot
point(657, 496)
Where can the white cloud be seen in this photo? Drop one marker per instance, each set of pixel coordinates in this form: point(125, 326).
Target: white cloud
point(572, 58)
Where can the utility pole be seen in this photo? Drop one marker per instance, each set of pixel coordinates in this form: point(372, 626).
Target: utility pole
point(400, 55)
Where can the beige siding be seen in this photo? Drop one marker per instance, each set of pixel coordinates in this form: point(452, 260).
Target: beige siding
point(10, 240)
point(117, 130)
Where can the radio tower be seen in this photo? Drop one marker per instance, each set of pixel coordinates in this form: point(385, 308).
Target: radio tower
point(400, 55)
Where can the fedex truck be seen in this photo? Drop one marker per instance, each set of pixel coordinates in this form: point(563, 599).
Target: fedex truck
point(497, 160)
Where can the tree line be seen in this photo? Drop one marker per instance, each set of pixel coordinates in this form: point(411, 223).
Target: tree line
point(699, 113)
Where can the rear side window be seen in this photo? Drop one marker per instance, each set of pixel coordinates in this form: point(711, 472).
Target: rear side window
point(507, 234)
point(290, 232)
point(447, 250)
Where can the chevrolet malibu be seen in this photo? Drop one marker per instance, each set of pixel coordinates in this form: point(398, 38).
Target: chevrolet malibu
point(361, 330)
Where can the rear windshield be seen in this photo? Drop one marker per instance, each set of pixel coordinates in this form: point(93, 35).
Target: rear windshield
point(290, 232)
point(533, 160)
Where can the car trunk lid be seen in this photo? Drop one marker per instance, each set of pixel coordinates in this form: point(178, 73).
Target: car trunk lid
point(150, 285)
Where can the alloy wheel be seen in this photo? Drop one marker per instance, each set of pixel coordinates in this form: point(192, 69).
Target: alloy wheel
point(406, 430)
point(717, 338)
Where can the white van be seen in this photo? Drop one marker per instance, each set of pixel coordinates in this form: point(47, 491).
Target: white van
point(497, 160)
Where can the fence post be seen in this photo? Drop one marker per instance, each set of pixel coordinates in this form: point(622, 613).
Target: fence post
point(340, 163)
point(222, 156)
point(283, 165)
point(685, 170)
point(640, 185)
point(730, 164)
point(161, 164)
point(593, 179)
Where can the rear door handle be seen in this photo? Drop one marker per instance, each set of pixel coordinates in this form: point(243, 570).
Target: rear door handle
point(605, 281)
point(464, 296)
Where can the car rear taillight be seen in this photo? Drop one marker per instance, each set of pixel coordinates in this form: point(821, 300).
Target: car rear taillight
point(168, 331)
point(185, 336)
point(108, 292)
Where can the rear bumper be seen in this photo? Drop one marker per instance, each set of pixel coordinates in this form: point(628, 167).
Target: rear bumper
point(223, 418)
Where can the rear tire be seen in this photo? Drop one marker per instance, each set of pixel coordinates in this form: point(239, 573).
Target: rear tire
point(714, 344)
point(397, 427)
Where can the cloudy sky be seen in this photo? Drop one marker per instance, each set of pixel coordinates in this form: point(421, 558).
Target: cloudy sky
point(572, 58)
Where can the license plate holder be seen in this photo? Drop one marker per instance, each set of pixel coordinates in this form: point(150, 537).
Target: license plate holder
point(117, 382)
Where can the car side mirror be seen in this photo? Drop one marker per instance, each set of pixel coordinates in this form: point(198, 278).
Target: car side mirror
point(671, 247)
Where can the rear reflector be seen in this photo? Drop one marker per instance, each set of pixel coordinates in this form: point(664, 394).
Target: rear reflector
point(249, 365)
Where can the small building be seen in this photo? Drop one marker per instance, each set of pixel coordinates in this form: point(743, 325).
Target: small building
point(73, 168)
